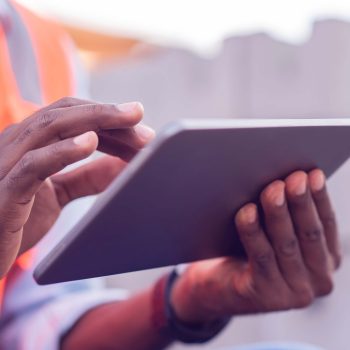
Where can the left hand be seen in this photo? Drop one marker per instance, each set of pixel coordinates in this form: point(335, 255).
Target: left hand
point(59, 190)
point(41, 145)
point(290, 262)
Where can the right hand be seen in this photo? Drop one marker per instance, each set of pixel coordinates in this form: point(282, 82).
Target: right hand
point(60, 134)
point(292, 251)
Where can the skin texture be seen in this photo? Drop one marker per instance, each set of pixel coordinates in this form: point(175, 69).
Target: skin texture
point(292, 248)
point(291, 261)
point(291, 258)
point(33, 151)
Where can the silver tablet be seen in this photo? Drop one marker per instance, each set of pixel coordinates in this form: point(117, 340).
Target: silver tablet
point(175, 202)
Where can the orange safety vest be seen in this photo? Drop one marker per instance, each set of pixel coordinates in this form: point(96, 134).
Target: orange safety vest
point(56, 79)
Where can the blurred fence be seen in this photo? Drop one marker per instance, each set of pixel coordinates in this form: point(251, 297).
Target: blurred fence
point(253, 76)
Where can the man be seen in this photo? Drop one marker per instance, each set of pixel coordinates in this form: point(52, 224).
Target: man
point(290, 260)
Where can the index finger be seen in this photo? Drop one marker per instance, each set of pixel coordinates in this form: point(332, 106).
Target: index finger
point(13, 130)
point(256, 244)
point(63, 123)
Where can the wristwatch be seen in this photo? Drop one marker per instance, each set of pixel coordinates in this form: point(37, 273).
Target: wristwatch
point(165, 320)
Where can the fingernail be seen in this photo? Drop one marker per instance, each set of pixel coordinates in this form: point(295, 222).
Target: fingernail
point(144, 132)
point(84, 139)
point(130, 107)
point(318, 181)
point(249, 214)
point(279, 199)
point(300, 188)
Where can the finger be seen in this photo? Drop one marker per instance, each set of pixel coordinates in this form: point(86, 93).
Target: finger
point(257, 247)
point(61, 103)
point(309, 231)
point(62, 123)
point(9, 134)
point(66, 102)
point(117, 149)
point(86, 180)
point(280, 230)
point(97, 117)
point(125, 143)
point(22, 182)
point(325, 211)
point(136, 137)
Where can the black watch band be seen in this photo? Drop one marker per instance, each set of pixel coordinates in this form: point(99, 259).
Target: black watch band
point(166, 321)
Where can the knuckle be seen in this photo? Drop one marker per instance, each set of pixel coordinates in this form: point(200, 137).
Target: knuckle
point(312, 234)
point(330, 221)
point(263, 256)
point(11, 181)
point(263, 259)
point(111, 108)
point(26, 163)
point(289, 248)
point(26, 132)
point(46, 118)
point(24, 166)
point(96, 108)
point(56, 151)
point(67, 100)
point(249, 232)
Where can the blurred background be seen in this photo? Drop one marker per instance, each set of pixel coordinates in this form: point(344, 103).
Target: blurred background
point(226, 59)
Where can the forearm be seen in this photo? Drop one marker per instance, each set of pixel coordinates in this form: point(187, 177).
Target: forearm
point(122, 325)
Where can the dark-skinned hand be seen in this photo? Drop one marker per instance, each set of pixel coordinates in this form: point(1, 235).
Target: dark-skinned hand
point(291, 259)
point(35, 150)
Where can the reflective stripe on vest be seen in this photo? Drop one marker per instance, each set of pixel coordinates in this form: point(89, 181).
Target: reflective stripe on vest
point(52, 49)
point(35, 70)
point(12, 106)
point(18, 41)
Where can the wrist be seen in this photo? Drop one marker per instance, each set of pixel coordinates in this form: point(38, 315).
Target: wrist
point(187, 329)
point(193, 300)
point(186, 306)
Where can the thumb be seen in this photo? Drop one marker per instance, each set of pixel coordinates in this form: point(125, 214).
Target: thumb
point(89, 179)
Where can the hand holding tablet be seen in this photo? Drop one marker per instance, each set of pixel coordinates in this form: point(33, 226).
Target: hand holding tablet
point(292, 251)
point(175, 202)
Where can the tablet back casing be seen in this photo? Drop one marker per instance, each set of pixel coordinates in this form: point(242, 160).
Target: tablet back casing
point(176, 201)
